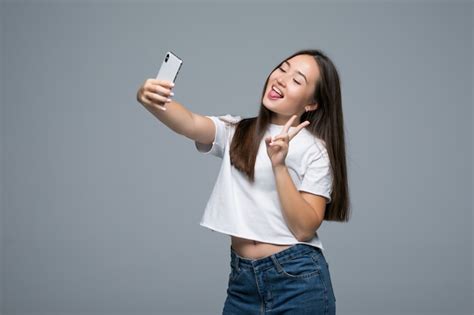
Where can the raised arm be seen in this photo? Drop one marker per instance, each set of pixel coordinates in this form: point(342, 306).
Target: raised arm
point(153, 95)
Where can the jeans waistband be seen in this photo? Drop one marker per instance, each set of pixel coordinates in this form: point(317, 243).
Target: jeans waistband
point(266, 262)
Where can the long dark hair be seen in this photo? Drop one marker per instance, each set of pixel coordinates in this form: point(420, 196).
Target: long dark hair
point(326, 123)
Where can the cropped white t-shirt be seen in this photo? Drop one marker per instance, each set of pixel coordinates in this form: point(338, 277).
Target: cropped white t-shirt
point(252, 210)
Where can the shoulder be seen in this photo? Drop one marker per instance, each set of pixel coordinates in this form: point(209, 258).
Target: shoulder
point(320, 145)
point(316, 147)
point(231, 119)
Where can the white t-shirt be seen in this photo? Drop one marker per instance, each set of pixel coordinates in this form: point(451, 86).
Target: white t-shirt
point(252, 210)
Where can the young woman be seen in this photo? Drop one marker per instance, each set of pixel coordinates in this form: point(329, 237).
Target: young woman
point(283, 173)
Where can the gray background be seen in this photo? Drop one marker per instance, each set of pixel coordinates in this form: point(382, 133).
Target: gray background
point(100, 202)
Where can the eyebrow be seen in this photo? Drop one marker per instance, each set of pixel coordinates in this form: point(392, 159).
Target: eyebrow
point(297, 71)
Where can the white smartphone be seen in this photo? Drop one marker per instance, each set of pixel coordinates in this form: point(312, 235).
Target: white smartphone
point(169, 67)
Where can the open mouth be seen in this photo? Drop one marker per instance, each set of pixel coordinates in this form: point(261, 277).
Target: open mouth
point(274, 94)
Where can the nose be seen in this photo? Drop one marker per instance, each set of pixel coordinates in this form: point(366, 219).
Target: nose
point(281, 81)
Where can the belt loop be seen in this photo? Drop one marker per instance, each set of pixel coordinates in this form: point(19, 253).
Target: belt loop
point(275, 262)
point(236, 263)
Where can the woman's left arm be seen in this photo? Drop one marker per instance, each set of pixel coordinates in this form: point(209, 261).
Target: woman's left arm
point(303, 212)
point(300, 209)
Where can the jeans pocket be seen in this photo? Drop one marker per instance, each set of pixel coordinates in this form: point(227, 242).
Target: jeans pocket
point(301, 266)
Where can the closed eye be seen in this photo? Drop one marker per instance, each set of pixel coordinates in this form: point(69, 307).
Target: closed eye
point(293, 79)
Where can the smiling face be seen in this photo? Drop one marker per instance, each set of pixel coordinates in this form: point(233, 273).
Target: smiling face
point(295, 79)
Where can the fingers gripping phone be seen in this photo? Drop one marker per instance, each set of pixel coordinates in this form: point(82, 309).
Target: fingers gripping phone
point(169, 67)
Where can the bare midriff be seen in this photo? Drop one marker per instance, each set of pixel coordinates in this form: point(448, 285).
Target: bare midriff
point(251, 249)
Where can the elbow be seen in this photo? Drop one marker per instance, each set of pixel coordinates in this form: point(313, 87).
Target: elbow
point(308, 233)
point(306, 237)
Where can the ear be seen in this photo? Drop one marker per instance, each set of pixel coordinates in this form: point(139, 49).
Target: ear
point(311, 107)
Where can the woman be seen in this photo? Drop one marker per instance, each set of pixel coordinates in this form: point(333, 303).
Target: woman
point(283, 173)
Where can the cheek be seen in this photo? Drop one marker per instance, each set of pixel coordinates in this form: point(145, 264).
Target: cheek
point(271, 78)
point(305, 94)
point(295, 94)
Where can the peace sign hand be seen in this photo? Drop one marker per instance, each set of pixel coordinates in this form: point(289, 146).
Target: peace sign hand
point(278, 148)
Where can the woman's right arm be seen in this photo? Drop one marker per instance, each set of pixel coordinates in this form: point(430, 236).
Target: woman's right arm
point(153, 95)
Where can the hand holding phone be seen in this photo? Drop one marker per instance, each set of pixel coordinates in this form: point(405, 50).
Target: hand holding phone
point(157, 92)
point(169, 69)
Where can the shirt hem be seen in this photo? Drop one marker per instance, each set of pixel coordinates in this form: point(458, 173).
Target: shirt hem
point(257, 238)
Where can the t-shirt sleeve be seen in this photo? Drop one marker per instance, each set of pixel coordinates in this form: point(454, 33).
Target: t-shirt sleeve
point(224, 125)
point(317, 178)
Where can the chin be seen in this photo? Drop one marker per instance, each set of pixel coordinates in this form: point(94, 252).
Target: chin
point(265, 103)
point(268, 105)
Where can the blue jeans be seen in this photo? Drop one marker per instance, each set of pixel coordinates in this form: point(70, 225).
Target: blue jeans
point(294, 281)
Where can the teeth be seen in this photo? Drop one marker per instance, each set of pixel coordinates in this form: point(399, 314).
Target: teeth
point(276, 90)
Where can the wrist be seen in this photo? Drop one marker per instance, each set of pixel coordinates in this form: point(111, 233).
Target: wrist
point(279, 167)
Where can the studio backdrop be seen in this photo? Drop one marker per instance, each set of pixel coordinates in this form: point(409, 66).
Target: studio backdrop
point(101, 202)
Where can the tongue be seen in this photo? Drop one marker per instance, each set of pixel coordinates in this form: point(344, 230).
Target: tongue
point(275, 94)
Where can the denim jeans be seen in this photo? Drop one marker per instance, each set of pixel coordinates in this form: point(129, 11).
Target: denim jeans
point(294, 281)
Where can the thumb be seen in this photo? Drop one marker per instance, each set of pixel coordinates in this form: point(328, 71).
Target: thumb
point(268, 140)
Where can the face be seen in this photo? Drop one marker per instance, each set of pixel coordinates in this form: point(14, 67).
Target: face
point(296, 79)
